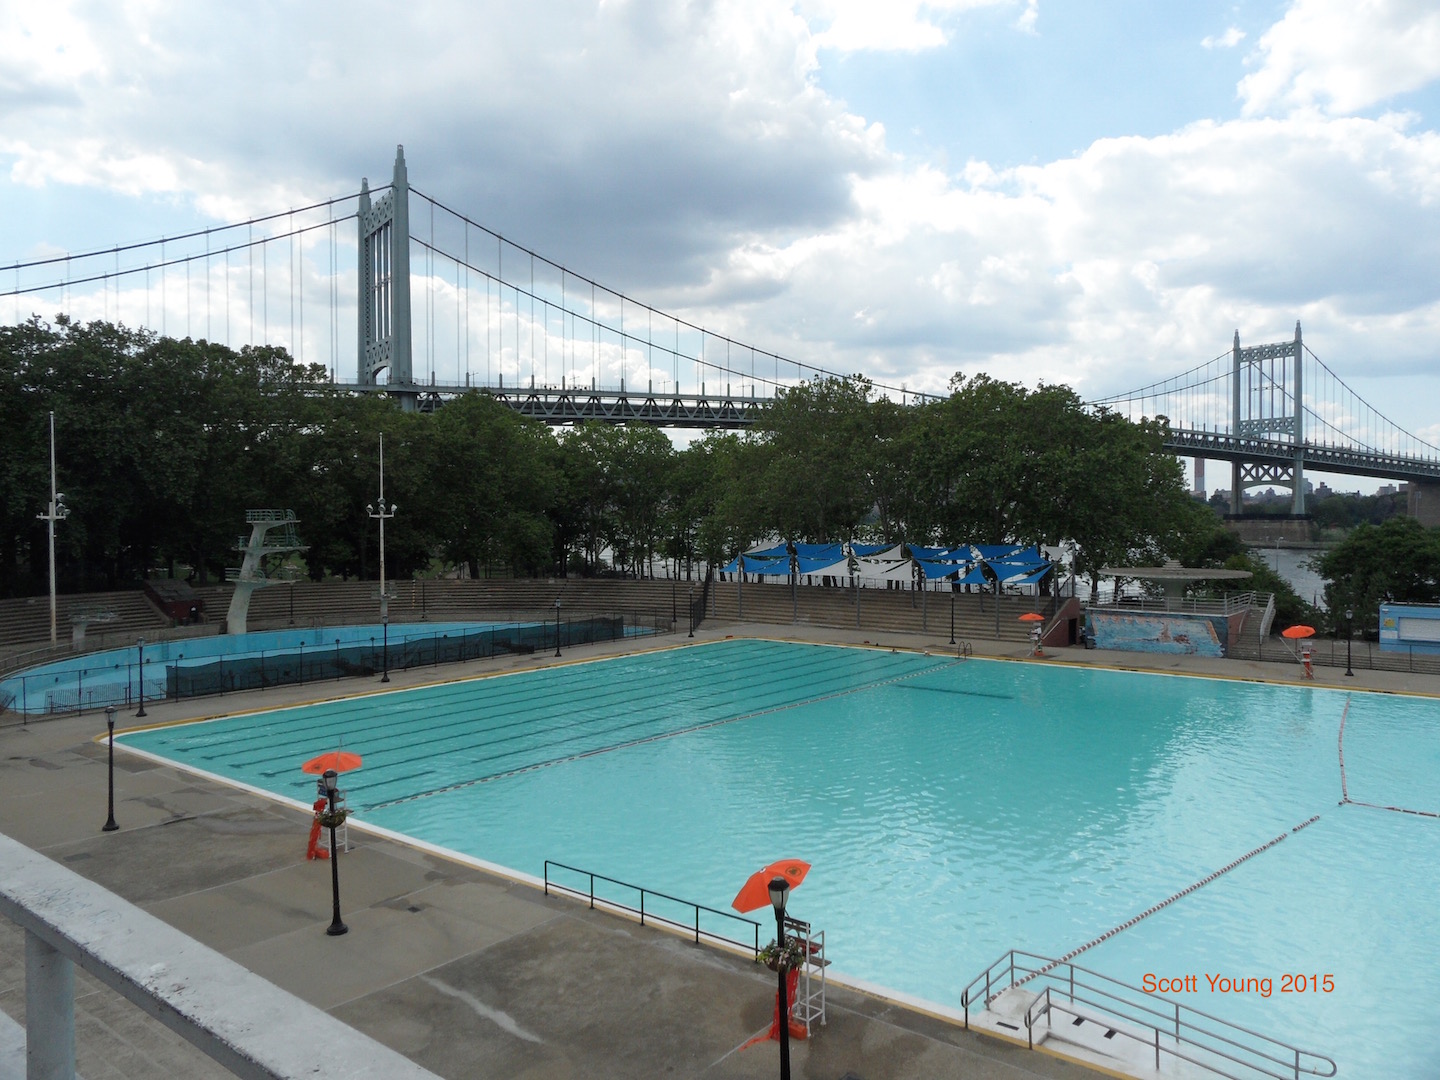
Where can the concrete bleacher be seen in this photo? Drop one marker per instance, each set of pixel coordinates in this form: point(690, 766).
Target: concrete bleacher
point(903, 611)
point(308, 603)
point(25, 621)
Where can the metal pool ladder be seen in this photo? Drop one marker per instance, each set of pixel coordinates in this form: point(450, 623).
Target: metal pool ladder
point(1099, 1012)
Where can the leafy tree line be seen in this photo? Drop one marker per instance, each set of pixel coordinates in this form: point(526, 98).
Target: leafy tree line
point(163, 444)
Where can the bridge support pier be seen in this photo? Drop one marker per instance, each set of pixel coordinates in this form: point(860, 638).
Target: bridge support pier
point(1424, 503)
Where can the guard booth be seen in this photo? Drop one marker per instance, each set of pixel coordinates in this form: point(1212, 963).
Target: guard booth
point(1412, 628)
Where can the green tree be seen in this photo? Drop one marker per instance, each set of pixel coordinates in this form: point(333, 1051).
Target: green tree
point(1397, 562)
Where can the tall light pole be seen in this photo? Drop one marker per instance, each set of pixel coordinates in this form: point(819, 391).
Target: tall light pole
point(1349, 635)
point(557, 627)
point(382, 515)
point(55, 511)
point(779, 893)
point(1278, 541)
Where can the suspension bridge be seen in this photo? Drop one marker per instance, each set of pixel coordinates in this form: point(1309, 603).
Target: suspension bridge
point(392, 291)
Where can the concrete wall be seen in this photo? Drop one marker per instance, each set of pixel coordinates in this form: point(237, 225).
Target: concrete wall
point(1157, 632)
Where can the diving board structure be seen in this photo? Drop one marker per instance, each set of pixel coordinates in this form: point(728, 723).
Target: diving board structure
point(254, 551)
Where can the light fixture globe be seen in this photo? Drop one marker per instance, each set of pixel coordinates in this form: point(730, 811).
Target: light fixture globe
point(1349, 614)
point(331, 777)
point(779, 893)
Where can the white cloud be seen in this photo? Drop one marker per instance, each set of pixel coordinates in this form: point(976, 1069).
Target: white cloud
point(1227, 40)
point(1343, 56)
point(895, 25)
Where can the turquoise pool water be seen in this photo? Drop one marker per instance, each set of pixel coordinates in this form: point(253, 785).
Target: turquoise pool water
point(951, 811)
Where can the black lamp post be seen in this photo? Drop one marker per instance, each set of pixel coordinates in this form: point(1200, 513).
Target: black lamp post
point(1349, 634)
point(140, 649)
point(557, 627)
point(337, 927)
point(779, 893)
point(110, 825)
point(385, 647)
point(952, 613)
point(692, 610)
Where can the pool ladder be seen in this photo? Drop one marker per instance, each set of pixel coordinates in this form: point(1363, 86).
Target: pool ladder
point(1124, 1022)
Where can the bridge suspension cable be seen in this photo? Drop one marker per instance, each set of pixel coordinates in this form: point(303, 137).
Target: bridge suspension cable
point(534, 293)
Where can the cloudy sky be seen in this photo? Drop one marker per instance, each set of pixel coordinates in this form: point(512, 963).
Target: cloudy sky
point(1095, 194)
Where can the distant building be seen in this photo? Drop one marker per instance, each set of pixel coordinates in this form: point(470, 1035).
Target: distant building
point(1387, 489)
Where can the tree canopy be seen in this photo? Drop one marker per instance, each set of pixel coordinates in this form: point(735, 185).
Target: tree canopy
point(164, 443)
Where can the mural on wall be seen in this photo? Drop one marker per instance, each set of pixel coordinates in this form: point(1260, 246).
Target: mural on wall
point(1187, 635)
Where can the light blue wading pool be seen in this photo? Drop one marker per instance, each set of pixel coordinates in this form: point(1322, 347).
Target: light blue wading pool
point(951, 810)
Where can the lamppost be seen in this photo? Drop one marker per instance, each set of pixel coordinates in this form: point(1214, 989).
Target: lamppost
point(140, 649)
point(55, 511)
point(557, 627)
point(382, 515)
point(1278, 541)
point(336, 927)
point(1349, 634)
point(110, 825)
point(692, 610)
point(779, 893)
point(952, 613)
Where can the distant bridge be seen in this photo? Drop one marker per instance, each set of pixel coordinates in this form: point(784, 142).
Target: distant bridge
point(410, 298)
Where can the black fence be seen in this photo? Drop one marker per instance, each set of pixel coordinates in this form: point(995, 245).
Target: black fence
point(120, 684)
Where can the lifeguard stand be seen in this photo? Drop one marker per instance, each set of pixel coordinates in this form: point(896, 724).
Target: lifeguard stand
point(254, 550)
point(809, 1004)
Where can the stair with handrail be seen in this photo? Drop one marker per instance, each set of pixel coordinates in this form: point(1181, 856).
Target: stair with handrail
point(1101, 1020)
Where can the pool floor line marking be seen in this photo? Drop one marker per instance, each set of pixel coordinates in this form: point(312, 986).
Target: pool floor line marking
point(377, 721)
point(1162, 904)
point(358, 694)
point(1345, 799)
point(691, 729)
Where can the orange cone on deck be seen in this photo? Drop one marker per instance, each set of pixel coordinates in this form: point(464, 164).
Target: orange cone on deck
point(755, 893)
point(339, 760)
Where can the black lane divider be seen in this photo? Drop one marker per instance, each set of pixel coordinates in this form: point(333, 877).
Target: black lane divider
point(961, 693)
point(535, 766)
point(1345, 790)
point(1162, 904)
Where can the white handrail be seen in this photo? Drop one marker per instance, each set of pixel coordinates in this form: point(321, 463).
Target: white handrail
point(249, 1025)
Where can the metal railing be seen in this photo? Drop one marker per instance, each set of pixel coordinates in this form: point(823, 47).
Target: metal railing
point(1228, 604)
point(692, 926)
point(1170, 1028)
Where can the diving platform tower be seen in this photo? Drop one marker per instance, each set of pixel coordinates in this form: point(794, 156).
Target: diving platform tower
point(255, 550)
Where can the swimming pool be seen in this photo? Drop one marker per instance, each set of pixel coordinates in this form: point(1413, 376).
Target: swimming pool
point(951, 811)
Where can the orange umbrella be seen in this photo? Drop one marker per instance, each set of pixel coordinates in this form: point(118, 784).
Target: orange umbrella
point(755, 893)
point(339, 760)
point(1032, 616)
point(1293, 632)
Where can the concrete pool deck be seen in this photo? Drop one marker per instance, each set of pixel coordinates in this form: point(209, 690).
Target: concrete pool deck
point(465, 972)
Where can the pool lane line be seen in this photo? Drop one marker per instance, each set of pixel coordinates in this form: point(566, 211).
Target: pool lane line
point(1340, 743)
point(535, 766)
point(1163, 903)
point(354, 695)
point(1345, 792)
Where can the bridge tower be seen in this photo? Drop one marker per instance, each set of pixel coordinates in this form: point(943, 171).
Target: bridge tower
point(384, 292)
point(1266, 401)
